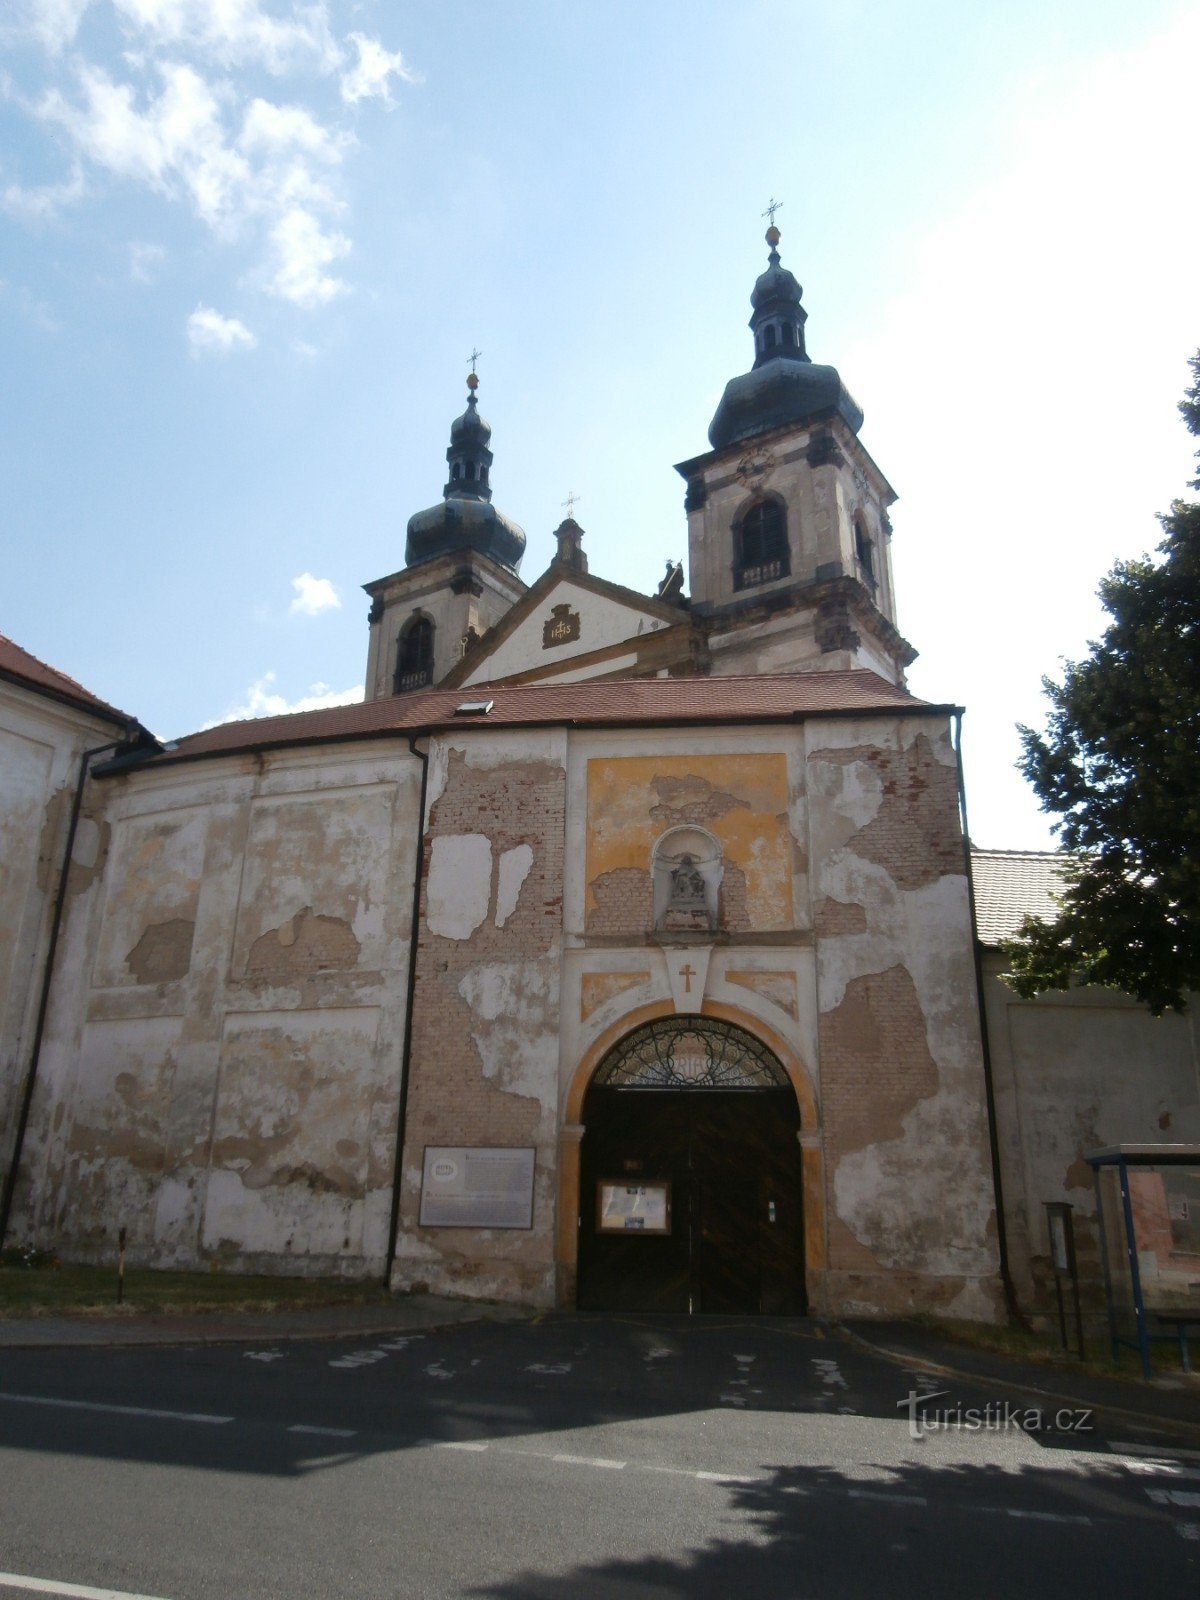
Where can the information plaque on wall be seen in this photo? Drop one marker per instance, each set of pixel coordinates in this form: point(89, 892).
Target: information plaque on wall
point(479, 1186)
point(633, 1207)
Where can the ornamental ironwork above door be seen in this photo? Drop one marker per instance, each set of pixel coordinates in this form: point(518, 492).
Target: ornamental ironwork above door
point(690, 1053)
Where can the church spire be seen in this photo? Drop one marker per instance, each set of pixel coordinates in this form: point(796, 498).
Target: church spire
point(779, 318)
point(469, 457)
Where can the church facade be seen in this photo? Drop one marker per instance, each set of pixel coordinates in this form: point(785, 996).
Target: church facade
point(616, 951)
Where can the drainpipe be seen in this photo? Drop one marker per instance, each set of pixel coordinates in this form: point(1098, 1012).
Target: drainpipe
point(1010, 1292)
point(406, 1050)
point(10, 1178)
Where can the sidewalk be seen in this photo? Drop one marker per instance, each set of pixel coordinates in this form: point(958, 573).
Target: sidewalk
point(405, 1314)
point(1171, 1401)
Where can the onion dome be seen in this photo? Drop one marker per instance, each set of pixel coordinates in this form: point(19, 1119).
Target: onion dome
point(784, 386)
point(466, 519)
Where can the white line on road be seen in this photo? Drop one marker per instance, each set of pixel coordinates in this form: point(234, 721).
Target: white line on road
point(78, 1591)
point(590, 1461)
point(119, 1411)
point(461, 1444)
point(1158, 1452)
point(1043, 1516)
point(887, 1498)
point(325, 1433)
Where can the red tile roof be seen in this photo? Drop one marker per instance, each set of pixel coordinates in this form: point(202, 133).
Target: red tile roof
point(594, 703)
point(19, 664)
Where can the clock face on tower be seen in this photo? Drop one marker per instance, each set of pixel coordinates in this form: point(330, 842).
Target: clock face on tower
point(754, 467)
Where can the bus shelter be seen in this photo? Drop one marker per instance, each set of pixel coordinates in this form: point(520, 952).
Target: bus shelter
point(1148, 1215)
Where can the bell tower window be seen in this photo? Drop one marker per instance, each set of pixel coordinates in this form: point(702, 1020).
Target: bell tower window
point(414, 658)
point(761, 545)
point(864, 549)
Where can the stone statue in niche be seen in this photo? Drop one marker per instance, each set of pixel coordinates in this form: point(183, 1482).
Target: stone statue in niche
point(687, 879)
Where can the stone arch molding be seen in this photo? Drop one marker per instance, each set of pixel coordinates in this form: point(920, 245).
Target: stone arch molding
point(687, 865)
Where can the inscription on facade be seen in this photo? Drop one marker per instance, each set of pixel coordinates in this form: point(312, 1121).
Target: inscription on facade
point(561, 627)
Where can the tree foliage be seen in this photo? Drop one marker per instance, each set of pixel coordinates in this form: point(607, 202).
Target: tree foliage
point(1119, 763)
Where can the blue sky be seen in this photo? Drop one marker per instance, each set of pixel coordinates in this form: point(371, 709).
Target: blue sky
point(248, 246)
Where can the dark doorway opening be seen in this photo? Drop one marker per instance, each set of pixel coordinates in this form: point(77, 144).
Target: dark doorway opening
point(691, 1196)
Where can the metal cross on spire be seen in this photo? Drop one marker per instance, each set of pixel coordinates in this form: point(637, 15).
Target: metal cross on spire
point(473, 358)
point(569, 502)
point(775, 206)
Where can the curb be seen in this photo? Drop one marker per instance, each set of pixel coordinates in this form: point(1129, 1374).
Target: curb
point(939, 1370)
point(177, 1340)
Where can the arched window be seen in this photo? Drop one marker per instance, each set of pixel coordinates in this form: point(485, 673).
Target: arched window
point(456, 470)
point(772, 336)
point(864, 549)
point(789, 333)
point(414, 658)
point(761, 545)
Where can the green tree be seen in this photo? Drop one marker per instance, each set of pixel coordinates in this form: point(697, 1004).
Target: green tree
point(1120, 765)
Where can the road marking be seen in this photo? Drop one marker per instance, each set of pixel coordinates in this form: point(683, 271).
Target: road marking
point(1172, 1497)
point(360, 1358)
point(461, 1444)
point(549, 1366)
point(589, 1461)
point(1158, 1452)
point(79, 1591)
point(829, 1373)
point(117, 1411)
point(1042, 1516)
point(1189, 1531)
point(324, 1433)
point(439, 1370)
point(263, 1355)
point(1170, 1469)
point(887, 1498)
point(727, 1477)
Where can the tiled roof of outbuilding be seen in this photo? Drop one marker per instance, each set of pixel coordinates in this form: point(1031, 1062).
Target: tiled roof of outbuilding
point(19, 664)
point(603, 702)
point(1012, 884)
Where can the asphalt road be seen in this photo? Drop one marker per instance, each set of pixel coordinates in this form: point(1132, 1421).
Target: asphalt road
point(573, 1457)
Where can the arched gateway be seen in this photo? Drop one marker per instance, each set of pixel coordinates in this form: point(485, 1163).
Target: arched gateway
point(690, 1175)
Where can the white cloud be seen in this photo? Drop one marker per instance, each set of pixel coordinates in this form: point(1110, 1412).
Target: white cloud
point(251, 169)
point(41, 201)
point(30, 307)
point(368, 78)
point(209, 333)
point(313, 595)
point(145, 261)
point(52, 23)
point(237, 32)
point(303, 250)
point(263, 700)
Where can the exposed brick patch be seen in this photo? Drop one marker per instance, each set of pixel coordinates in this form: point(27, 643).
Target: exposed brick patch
point(733, 912)
point(915, 834)
point(777, 987)
point(691, 799)
point(875, 1062)
point(305, 943)
point(839, 917)
point(623, 902)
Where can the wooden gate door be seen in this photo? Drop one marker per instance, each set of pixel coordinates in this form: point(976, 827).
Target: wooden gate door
point(730, 1165)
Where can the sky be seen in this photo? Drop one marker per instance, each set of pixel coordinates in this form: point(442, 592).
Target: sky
point(247, 247)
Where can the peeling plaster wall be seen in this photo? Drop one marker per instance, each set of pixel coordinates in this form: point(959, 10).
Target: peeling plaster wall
point(221, 1068)
point(41, 746)
point(486, 1009)
point(912, 1224)
point(1073, 1072)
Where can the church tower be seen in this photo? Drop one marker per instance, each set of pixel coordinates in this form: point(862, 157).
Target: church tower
point(788, 532)
point(460, 573)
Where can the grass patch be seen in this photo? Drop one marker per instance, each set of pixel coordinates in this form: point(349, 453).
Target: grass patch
point(56, 1291)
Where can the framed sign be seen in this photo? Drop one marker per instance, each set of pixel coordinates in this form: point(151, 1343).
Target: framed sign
point(633, 1207)
point(480, 1186)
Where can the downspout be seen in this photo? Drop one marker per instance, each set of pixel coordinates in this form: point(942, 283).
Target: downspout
point(10, 1178)
point(406, 1049)
point(1010, 1292)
